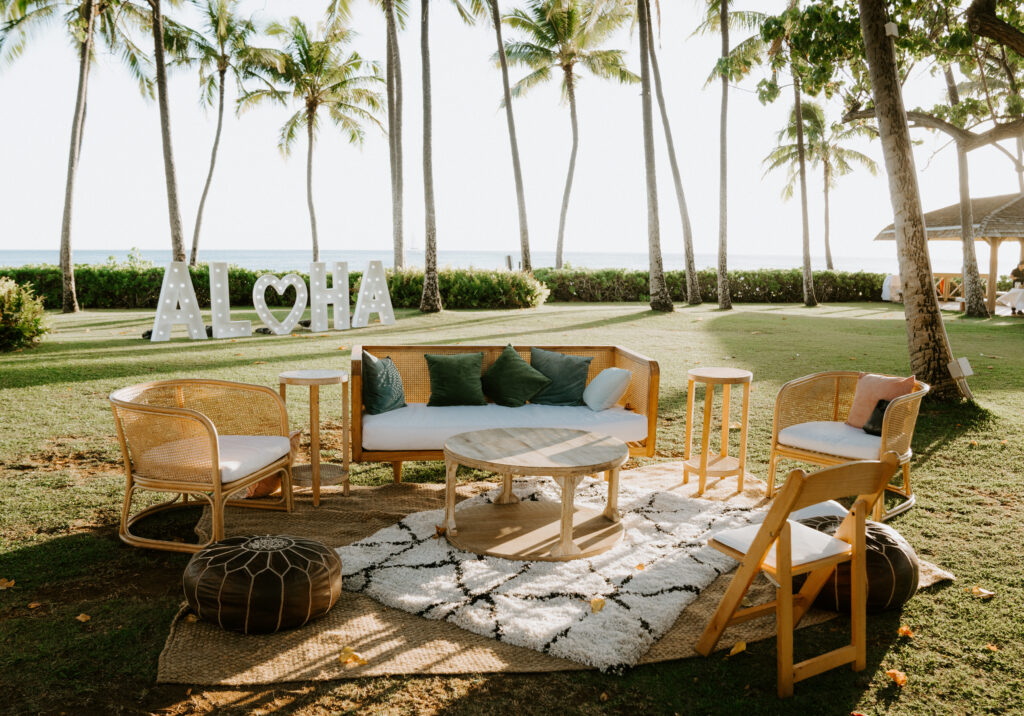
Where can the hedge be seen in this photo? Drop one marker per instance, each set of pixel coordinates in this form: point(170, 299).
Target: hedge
point(760, 286)
point(138, 286)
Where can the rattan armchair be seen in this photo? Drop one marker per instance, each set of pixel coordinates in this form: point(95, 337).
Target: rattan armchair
point(827, 397)
point(205, 439)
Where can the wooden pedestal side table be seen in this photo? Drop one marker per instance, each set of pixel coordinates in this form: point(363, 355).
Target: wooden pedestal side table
point(721, 465)
point(534, 530)
point(330, 473)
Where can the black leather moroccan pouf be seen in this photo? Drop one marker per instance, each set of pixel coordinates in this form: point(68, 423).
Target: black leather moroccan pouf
point(262, 584)
point(892, 568)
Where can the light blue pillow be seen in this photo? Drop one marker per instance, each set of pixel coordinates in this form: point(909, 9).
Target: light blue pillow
point(607, 388)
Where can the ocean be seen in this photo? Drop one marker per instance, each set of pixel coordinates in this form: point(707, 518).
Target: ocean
point(298, 260)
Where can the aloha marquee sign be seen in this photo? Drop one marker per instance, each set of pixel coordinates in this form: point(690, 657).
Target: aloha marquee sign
point(178, 304)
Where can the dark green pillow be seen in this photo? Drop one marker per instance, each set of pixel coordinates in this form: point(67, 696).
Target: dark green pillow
point(568, 376)
point(874, 424)
point(510, 380)
point(455, 379)
point(382, 385)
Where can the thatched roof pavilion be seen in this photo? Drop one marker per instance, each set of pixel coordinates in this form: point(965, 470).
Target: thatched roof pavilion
point(996, 219)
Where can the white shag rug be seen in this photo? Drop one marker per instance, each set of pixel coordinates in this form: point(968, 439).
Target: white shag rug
point(646, 581)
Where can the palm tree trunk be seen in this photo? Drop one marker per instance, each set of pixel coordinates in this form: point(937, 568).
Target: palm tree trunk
point(209, 176)
point(692, 286)
point(828, 221)
point(310, 115)
point(170, 177)
point(809, 298)
point(974, 291)
point(724, 299)
point(394, 64)
point(69, 296)
point(570, 88)
point(524, 231)
point(928, 343)
point(430, 301)
point(661, 300)
point(1020, 164)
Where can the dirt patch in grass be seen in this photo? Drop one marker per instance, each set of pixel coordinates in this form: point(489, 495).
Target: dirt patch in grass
point(66, 453)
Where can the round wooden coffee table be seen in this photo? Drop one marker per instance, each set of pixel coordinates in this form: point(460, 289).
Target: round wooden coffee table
point(535, 530)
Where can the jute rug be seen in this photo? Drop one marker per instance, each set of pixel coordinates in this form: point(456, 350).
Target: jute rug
point(396, 642)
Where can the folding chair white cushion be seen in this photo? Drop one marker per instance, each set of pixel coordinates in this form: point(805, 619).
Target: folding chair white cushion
point(240, 455)
point(809, 545)
point(831, 508)
point(832, 438)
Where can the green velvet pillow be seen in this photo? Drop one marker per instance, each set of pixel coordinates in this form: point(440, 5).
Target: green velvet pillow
point(510, 380)
point(382, 385)
point(568, 376)
point(455, 379)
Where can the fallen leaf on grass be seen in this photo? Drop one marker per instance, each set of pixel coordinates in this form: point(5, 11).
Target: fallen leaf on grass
point(980, 592)
point(973, 443)
point(604, 696)
point(34, 605)
point(351, 656)
point(904, 630)
point(596, 605)
point(898, 676)
point(992, 647)
point(83, 617)
point(258, 362)
point(737, 648)
point(1004, 442)
point(6, 584)
point(735, 425)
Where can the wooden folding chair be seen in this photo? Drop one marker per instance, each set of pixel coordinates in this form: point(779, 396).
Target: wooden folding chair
point(782, 548)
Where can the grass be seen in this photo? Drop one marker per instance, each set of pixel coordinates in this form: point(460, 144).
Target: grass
point(62, 486)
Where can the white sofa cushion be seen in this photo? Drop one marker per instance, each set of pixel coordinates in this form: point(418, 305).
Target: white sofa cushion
point(832, 438)
point(809, 545)
point(240, 455)
point(419, 427)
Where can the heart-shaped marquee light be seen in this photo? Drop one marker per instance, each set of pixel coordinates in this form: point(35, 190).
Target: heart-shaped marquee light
point(280, 285)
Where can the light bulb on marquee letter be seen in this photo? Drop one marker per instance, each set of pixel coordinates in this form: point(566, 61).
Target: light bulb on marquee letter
point(373, 297)
point(177, 304)
point(220, 305)
point(320, 297)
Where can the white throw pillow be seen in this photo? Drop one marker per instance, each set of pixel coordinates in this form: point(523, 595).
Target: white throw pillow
point(606, 388)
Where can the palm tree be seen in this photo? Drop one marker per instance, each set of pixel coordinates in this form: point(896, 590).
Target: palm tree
point(824, 146)
point(732, 65)
point(660, 298)
point(114, 21)
point(315, 73)
point(430, 300)
point(510, 120)
point(930, 353)
point(219, 47)
point(809, 297)
point(559, 35)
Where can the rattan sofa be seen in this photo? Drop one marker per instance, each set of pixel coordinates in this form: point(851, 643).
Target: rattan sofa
point(206, 439)
point(637, 412)
point(824, 399)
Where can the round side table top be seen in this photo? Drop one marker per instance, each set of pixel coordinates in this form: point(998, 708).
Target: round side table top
point(720, 375)
point(313, 377)
point(537, 451)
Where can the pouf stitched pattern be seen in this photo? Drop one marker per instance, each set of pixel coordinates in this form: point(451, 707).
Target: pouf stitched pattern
point(264, 583)
point(893, 570)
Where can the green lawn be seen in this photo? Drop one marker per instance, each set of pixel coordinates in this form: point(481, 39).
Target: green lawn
point(62, 485)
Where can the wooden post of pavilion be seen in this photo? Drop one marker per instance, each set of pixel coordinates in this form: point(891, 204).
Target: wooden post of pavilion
point(993, 272)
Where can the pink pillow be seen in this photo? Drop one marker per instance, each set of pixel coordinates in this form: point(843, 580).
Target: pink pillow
point(871, 388)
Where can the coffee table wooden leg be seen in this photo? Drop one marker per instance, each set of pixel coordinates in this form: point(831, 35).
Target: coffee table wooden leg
point(566, 547)
point(451, 471)
point(507, 497)
point(346, 436)
point(314, 440)
point(611, 511)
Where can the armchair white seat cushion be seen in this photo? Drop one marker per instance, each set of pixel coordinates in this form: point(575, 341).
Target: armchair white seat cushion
point(421, 427)
point(832, 438)
point(809, 545)
point(240, 455)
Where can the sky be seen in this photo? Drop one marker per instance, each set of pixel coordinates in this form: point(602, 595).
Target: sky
point(258, 196)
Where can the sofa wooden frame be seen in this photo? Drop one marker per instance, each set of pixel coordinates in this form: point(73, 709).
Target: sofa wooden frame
point(158, 412)
point(641, 397)
point(828, 396)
